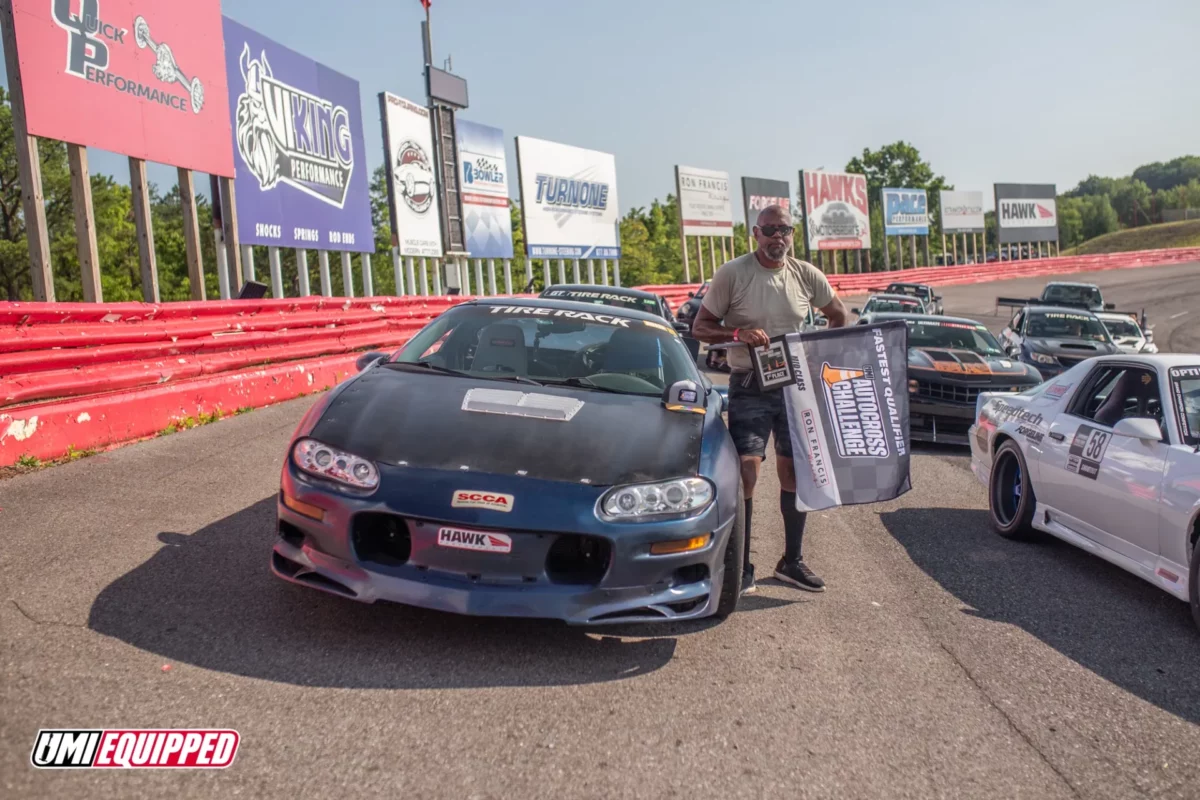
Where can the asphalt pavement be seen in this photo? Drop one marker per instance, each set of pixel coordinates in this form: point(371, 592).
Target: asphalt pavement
point(942, 662)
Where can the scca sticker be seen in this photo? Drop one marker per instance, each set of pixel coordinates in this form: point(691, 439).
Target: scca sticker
point(464, 498)
point(1087, 451)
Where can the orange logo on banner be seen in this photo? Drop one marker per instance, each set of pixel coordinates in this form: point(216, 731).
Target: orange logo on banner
point(832, 375)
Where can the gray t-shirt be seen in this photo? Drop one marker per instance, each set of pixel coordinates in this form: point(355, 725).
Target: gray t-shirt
point(745, 294)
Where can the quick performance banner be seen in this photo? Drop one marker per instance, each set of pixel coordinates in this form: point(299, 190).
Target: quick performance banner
point(298, 134)
point(568, 200)
point(412, 188)
point(905, 212)
point(962, 212)
point(137, 77)
point(836, 216)
point(848, 415)
point(1026, 212)
point(705, 204)
point(758, 193)
point(484, 187)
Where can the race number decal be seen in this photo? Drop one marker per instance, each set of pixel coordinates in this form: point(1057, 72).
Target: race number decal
point(1087, 451)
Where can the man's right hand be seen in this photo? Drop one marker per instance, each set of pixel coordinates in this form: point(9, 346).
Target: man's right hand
point(754, 337)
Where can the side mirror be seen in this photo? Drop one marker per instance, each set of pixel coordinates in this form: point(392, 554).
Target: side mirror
point(367, 359)
point(1142, 428)
point(682, 327)
point(691, 294)
point(857, 311)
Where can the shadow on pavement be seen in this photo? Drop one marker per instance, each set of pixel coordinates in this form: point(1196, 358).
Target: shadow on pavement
point(209, 599)
point(1105, 619)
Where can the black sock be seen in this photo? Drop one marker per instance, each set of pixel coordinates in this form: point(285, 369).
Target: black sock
point(793, 525)
point(749, 516)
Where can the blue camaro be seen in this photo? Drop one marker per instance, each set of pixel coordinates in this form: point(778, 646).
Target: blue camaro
point(521, 458)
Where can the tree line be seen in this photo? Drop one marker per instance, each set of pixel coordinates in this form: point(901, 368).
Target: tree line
point(650, 240)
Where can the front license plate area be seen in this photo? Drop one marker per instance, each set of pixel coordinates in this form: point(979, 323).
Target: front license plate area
point(457, 538)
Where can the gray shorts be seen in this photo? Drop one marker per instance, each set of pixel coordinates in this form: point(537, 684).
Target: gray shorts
point(754, 415)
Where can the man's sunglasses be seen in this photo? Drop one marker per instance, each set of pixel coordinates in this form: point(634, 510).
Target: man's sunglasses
point(771, 230)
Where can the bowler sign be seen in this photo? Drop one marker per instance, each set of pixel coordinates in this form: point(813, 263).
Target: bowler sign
point(137, 77)
point(301, 170)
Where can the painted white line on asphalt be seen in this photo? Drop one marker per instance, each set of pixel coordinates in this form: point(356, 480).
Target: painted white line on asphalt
point(1180, 314)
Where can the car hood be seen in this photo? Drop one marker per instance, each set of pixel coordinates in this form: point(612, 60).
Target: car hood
point(1072, 348)
point(428, 421)
point(968, 365)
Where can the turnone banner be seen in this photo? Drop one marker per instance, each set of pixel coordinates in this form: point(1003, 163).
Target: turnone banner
point(847, 405)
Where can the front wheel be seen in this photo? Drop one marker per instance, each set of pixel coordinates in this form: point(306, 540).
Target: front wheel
point(731, 584)
point(1010, 495)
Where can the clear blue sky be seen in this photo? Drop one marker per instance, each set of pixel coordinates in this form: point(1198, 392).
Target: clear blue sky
point(1019, 90)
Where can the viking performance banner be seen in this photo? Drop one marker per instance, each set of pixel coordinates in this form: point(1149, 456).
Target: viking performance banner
point(848, 414)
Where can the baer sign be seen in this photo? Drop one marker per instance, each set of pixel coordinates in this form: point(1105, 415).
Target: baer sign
point(144, 79)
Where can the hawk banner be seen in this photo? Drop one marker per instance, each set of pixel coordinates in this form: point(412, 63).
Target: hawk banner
point(848, 414)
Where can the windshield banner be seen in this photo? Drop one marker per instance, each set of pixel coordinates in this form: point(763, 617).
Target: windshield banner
point(848, 414)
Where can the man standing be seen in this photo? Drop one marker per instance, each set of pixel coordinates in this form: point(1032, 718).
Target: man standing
point(757, 296)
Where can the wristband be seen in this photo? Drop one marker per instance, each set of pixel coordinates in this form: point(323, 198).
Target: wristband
point(735, 334)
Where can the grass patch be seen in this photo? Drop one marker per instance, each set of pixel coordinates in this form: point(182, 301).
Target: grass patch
point(187, 423)
point(1147, 237)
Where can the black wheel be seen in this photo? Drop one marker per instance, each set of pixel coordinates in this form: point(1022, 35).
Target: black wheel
point(1010, 495)
point(1194, 583)
point(731, 584)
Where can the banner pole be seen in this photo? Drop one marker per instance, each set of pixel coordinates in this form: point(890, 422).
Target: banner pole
point(912, 249)
point(604, 270)
point(323, 268)
point(230, 232)
point(276, 272)
point(616, 272)
point(398, 272)
point(528, 271)
point(410, 270)
point(479, 288)
point(925, 246)
point(302, 272)
point(562, 270)
point(547, 268)
point(248, 261)
point(575, 269)
point(222, 265)
point(687, 271)
point(712, 258)
point(85, 225)
point(943, 248)
point(887, 254)
point(508, 276)
point(492, 277)
point(368, 278)
point(437, 278)
point(145, 229)
point(191, 235)
point(592, 271)
point(29, 167)
point(347, 276)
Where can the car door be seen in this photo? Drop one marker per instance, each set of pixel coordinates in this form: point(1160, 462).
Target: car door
point(1108, 488)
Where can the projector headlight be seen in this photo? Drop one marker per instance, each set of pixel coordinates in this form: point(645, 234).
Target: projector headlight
point(1042, 358)
point(323, 461)
point(686, 496)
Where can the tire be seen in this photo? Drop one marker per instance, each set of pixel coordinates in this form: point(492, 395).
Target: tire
point(731, 584)
point(1194, 583)
point(1011, 500)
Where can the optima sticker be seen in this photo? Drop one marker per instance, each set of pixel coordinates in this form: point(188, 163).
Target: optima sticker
point(495, 502)
point(853, 403)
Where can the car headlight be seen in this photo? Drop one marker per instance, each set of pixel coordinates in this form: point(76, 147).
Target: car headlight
point(1042, 358)
point(323, 461)
point(687, 496)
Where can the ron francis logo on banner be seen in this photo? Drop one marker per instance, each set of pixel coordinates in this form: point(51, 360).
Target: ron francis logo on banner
point(88, 38)
point(287, 135)
point(847, 406)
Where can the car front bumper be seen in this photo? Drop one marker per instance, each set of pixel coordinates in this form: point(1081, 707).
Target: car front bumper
point(634, 586)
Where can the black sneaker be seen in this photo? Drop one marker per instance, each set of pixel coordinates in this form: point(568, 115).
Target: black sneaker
point(748, 585)
point(799, 575)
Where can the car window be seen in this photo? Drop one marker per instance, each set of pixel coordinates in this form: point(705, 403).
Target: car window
point(650, 305)
point(1072, 294)
point(1185, 393)
point(553, 345)
point(1122, 328)
point(1065, 325)
point(953, 336)
point(1015, 325)
point(1117, 392)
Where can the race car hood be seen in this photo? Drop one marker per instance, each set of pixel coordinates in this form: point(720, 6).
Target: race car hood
point(968, 365)
point(1072, 348)
point(396, 417)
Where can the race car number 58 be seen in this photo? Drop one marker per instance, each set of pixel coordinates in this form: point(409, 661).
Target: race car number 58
point(1087, 451)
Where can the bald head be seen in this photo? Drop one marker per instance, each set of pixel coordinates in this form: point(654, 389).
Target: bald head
point(773, 233)
point(773, 215)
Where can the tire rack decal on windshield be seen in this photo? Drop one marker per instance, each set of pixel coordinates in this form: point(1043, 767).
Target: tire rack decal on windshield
point(1087, 451)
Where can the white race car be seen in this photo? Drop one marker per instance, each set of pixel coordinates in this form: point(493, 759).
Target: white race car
point(1106, 456)
point(1126, 333)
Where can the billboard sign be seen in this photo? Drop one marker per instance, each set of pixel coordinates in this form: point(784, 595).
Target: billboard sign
point(483, 185)
point(1026, 212)
point(758, 193)
point(706, 207)
point(298, 136)
point(568, 200)
point(835, 210)
point(141, 78)
point(905, 212)
point(412, 188)
point(847, 407)
point(962, 212)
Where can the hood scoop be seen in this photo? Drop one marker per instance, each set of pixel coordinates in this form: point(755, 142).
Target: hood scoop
point(521, 404)
point(1072, 346)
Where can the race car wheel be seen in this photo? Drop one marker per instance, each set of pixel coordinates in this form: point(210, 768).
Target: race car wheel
point(731, 584)
point(1194, 583)
point(1010, 496)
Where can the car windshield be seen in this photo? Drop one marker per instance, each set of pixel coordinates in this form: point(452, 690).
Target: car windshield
point(1063, 325)
point(1185, 385)
point(650, 305)
point(915, 291)
point(553, 345)
point(953, 336)
point(1122, 327)
point(1075, 295)
point(881, 304)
